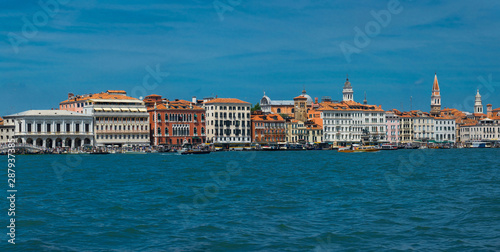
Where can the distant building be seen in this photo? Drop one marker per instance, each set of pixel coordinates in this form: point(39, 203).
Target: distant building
point(485, 130)
point(282, 106)
point(444, 129)
point(268, 129)
point(296, 132)
point(423, 126)
point(173, 122)
point(228, 121)
point(393, 124)
point(6, 130)
point(53, 128)
point(435, 98)
point(349, 122)
point(119, 120)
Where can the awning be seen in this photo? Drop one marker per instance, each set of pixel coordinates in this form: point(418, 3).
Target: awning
point(134, 110)
point(143, 110)
point(196, 138)
point(98, 109)
point(107, 109)
point(116, 109)
point(125, 109)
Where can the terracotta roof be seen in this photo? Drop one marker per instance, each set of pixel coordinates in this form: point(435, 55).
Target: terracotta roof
point(300, 97)
point(1, 121)
point(497, 109)
point(226, 100)
point(175, 105)
point(99, 96)
point(270, 117)
point(348, 106)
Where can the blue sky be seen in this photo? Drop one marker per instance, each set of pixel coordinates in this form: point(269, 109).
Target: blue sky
point(276, 46)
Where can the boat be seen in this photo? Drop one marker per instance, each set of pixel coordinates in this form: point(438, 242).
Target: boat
point(478, 145)
point(99, 152)
point(356, 148)
point(187, 149)
point(389, 147)
point(134, 152)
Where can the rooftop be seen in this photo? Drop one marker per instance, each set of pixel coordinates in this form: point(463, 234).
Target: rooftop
point(226, 100)
point(48, 113)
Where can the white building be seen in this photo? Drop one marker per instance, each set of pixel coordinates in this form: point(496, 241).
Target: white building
point(119, 120)
point(53, 128)
point(485, 129)
point(444, 129)
point(349, 121)
point(423, 126)
point(228, 121)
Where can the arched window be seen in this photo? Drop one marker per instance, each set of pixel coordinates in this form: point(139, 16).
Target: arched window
point(202, 130)
point(195, 131)
point(279, 110)
point(166, 131)
point(166, 117)
point(159, 117)
point(159, 131)
point(203, 117)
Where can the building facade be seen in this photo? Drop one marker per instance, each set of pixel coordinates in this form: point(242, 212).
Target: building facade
point(393, 127)
point(228, 121)
point(444, 129)
point(173, 122)
point(423, 126)
point(119, 120)
point(268, 129)
point(485, 130)
point(53, 128)
point(7, 129)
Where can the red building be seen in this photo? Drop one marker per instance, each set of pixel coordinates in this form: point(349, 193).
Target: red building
point(172, 122)
point(268, 128)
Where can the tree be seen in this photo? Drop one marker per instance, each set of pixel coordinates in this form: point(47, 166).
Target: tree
point(256, 107)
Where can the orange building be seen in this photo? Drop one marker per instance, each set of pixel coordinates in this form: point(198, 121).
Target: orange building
point(173, 122)
point(268, 128)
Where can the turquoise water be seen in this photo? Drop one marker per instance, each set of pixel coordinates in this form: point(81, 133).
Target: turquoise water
point(403, 200)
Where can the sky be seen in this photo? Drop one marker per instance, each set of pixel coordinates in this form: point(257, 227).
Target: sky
point(240, 48)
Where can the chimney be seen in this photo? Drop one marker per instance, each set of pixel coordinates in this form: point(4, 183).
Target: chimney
point(70, 95)
point(489, 109)
point(193, 100)
point(316, 100)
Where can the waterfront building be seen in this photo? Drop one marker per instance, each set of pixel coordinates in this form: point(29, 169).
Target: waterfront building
point(173, 122)
point(228, 121)
point(393, 124)
point(268, 129)
point(53, 128)
point(119, 120)
point(435, 98)
point(423, 126)
point(300, 108)
point(348, 121)
point(296, 132)
point(487, 129)
point(314, 131)
point(445, 129)
point(6, 130)
point(405, 128)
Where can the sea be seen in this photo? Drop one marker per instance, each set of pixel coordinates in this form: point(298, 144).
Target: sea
point(404, 200)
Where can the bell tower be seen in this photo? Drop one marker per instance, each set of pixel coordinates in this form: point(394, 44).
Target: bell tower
point(435, 98)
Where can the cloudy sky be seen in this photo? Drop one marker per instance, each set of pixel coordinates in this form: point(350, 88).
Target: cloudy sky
point(240, 48)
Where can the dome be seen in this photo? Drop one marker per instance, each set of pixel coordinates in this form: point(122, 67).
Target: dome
point(309, 99)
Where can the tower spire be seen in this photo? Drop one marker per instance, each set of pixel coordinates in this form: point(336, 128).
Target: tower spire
point(435, 97)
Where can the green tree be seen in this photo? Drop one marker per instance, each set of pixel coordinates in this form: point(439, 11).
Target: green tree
point(256, 107)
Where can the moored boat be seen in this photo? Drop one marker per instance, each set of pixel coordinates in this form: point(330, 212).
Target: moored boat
point(356, 148)
point(389, 147)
